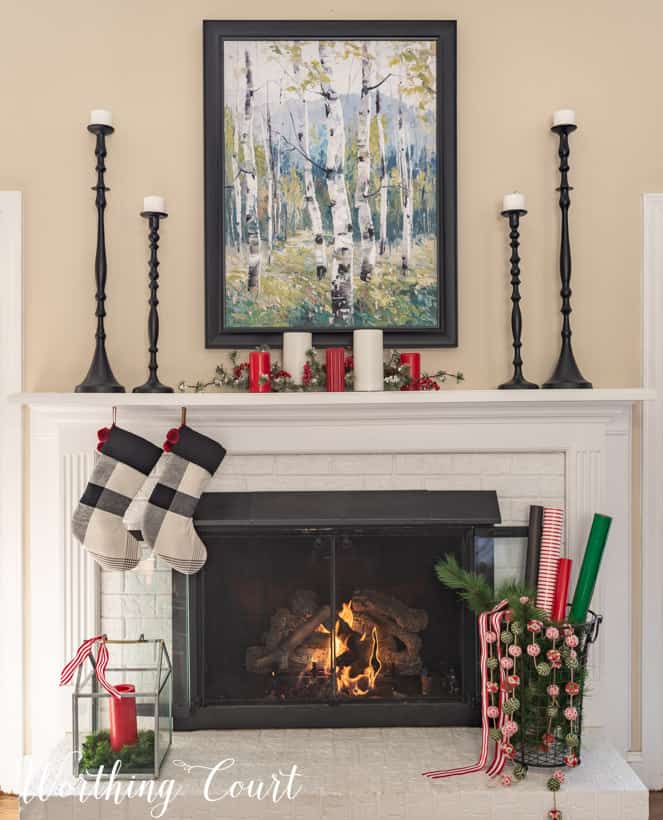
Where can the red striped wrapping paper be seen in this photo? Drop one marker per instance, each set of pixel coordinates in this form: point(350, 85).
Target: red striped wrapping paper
point(551, 548)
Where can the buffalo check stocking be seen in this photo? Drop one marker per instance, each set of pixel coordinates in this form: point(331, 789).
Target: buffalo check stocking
point(165, 504)
point(125, 461)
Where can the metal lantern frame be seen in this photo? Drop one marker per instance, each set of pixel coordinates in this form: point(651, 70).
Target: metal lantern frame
point(88, 689)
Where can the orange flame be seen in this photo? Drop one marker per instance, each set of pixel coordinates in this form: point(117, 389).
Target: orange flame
point(361, 683)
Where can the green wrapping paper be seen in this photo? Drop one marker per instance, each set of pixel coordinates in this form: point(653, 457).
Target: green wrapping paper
point(598, 535)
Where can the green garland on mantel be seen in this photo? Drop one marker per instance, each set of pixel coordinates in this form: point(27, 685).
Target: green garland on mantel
point(396, 376)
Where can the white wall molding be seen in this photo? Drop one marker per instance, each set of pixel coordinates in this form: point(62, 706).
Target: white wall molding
point(593, 431)
point(11, 490)
point(651, 766)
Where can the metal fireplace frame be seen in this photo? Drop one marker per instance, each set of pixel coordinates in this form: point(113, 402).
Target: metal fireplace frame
point(374, 512)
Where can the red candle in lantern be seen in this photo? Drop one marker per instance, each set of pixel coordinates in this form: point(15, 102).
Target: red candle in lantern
point(259, 367)
point(123, 725)
point(335, 361)
point(561, 589)
point(413, 361)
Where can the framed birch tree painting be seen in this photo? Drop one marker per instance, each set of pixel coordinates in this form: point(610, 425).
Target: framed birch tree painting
point(330, 181)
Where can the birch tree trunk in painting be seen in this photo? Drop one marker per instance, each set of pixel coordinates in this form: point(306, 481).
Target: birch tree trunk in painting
point(310, 197)
point(362, 203)
point(237, 187)
point(251, 178)
point(341, 277)
point(406, 190)
point(275, 164)
point(383, 176)
point(269, 175)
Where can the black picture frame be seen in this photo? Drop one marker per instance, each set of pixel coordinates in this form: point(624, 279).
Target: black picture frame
point(217, 334)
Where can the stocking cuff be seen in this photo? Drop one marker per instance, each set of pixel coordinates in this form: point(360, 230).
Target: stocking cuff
point(199, 449)
point(130, 449)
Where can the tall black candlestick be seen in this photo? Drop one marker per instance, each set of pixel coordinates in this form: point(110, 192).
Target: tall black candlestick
point(567, 373)
point(100, 378)
point(153, 385)
point(518, 381)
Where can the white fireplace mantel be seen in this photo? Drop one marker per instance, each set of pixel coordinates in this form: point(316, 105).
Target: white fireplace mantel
point(591, 428)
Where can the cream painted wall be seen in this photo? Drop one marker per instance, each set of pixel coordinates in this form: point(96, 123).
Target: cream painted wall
point(517, 61)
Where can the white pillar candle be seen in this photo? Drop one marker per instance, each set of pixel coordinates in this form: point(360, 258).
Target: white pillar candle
point(565, 116)
point(367, 353)
point(513, 202)
point(295, 348)
point(99, 116)
point(156, 204)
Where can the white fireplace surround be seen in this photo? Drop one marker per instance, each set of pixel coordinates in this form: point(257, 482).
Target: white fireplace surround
point(589, 430)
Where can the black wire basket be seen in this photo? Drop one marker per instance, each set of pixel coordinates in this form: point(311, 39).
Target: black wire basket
point(535, 719)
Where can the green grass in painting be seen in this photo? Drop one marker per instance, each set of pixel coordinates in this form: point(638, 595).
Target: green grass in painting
point(291, 295)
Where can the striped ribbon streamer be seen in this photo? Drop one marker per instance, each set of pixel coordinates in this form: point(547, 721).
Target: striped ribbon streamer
point(495, 617)
point(100, 666)
point(551, 549)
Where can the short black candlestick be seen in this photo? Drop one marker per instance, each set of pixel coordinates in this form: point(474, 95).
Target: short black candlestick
point(518, 382)
point(153, 385)
point(567, 373)
point(100, 378)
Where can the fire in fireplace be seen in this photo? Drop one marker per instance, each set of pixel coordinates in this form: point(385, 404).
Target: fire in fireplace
point(322, 609)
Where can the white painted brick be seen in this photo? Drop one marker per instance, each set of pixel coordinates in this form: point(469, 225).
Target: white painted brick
point(150, 627)
point(226, 484)
point(551, 486)
point(247, 465)
point(113, 627)
point(393, 482)
point(511, 486)
point(295, 483)
point(538, 463)
point(138, 606)
point(164, 606)
point(303, 464)
point(453, 482)
point(505, 510)
point(423, 463)
point(367, 464)
point(112, 581)
point(154, 582)
point(482, 463)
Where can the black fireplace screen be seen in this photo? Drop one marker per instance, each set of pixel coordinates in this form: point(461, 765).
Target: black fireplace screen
point(289, 620)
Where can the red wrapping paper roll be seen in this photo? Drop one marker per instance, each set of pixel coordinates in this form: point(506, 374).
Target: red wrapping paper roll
point(413, 361)
point(123, 723)
point(551, 547)
point(259, 365)
point(335, 361)
point(562, 589)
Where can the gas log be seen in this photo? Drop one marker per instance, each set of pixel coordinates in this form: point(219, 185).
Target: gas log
point(294, 640)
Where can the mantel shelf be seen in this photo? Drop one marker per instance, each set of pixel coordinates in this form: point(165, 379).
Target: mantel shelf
point(311, 401)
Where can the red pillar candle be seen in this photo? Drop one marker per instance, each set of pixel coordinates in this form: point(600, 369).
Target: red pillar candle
point(413, 361)
point(335, 361)
point(561, 589)
point(123, 725)
point(259, 367)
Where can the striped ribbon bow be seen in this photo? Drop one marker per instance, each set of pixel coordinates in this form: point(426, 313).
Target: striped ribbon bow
point(493, 618)
point(100, 666)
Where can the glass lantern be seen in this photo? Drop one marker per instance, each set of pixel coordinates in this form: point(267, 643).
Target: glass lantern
point(129, 735)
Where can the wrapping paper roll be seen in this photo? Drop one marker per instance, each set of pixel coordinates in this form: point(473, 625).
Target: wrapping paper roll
point(551, 548)
point(598, 536)
point(533, 545)
point(562, 589)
